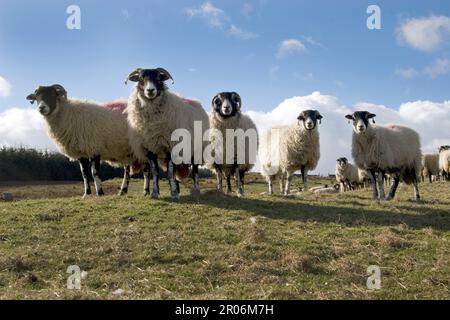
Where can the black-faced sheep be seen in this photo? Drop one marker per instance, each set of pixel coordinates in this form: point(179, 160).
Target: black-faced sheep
point(285, 150)
point(86, 131)
point(430, 167)
point(154, 114)
point(234, 139)
point(347, 175)
point(391, 149)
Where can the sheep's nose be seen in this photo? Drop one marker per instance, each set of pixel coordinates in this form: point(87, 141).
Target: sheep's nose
point(360, 128)
point(151, 91)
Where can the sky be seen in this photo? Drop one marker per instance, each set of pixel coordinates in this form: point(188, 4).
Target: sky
point(280, 56)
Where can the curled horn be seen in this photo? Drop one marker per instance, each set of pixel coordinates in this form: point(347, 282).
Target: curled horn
point(166, 75)
point(132, 76)
point(60, 90)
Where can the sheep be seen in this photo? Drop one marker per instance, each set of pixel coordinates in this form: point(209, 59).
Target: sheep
point(88, 132)
point(284, 150)
point(154, 113)
point(363, 178)
point(226, 115)
point(391, 149)
point(326, 189)
point(347, 174)
point(444, 162)
point(430, 166)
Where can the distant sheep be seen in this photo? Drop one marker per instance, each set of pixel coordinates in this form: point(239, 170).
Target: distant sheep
point(88, 132)
point(444, 161)
point(430, 166)
point(226, 115)
point(292, 149)
point(154, 113)
point(391, 149)
point(347, 175)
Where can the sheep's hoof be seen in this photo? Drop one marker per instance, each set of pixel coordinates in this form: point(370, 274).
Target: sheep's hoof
point(240, 194)
point(175, 197)
point(100, 193)
point(84, 196)
point(155, 195)
point(123, 192)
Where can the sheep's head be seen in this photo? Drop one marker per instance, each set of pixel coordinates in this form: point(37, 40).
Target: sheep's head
point(444, 148)
point(309, 119)
point(342, 162)
point(226, 104)
point(48, 98)
point(360, 120)
point(150, 82)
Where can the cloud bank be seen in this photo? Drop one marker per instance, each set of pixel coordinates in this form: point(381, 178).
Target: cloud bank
point(431, 119)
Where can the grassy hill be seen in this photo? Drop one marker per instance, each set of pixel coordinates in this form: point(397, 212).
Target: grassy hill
point(222, 247)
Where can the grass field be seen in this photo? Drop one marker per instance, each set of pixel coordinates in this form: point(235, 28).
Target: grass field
point(222, 247)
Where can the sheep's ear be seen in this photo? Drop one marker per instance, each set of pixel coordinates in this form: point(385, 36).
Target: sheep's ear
point(301, 117)
point(319, 117)
point(371, 116)
point(134, 76)
point(164, 74)
point(349, 117)
point(31, 98)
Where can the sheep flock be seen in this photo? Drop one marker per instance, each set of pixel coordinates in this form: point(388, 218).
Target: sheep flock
point(157, 130)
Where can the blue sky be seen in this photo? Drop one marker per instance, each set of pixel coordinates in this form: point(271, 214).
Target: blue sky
point(340, 57)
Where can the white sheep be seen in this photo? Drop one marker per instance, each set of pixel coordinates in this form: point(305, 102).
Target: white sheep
point(154, 114)
point(444, 162)
point(347, 175)
point(391, 149)
point(430, 166)
point(363, 178)
point(285, 150)
point(226, 118)
point(87, 131)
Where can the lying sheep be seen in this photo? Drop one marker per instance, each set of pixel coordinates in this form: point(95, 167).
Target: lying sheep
point(225, 116)
point(86, 131)
point(285, 150)
point(154, 114)
point(346, 175)
point(430, 166)
point(326, 189)
point(444, 162)
point(391, 149)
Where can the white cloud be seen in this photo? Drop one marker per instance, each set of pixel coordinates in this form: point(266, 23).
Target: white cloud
point(241, 34)
point(425, 34)
point(438, 68)
point(215, 17)
point(408, 73)
point(290, 46)
point(23, 127)
point(336, 133)
point(218, 19)
point(5, 87)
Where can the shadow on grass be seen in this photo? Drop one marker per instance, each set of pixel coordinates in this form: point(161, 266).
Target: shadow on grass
point(428, 217)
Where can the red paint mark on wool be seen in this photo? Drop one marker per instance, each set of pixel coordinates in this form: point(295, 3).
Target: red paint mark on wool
point(193, 103)
point(115, 105)
point(392, 126)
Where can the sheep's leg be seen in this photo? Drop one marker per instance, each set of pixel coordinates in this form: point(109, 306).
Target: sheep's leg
point(269, 180)
point(229, 190)
point(304, 178)
point(154, 167)
point(416, 188)
point(430, 178)
point(287, 188)
point(341, 187)
point(171, 177)
point(240, 182)
point(219, 176)
point(125, 182)
point(394, 187)
point(84, 166)
point(282, 178)
point(381, 185)
point(196, 184)
point(374, 185)
point(146, 171)
point(95, 168)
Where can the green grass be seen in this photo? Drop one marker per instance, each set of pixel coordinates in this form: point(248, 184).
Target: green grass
point(301, 247)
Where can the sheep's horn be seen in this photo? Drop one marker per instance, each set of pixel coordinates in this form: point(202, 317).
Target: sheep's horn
point(60, 90)
point(32, 97)
point(165, 73)
point(133, 74)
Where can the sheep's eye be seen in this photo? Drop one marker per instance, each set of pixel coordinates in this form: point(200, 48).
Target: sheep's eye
point(217, 101)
